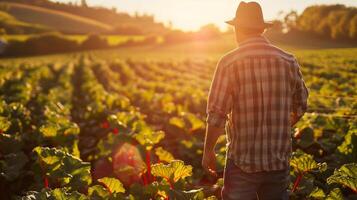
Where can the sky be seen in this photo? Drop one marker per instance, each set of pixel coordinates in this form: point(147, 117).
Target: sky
point(192, 14)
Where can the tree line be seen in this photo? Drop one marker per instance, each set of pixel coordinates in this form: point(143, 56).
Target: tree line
point(337, 22)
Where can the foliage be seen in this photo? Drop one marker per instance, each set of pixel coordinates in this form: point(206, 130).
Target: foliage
point(41, 44)
point(173, 171)
point(112, 184)
point(304, 163)
point(68, 170)
point(56, 194)
point(92, 126)
point(346, 175)
point(334, 21)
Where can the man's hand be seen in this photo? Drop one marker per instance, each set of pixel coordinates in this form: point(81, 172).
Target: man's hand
point(293, 119)
point(209, 163)
point(209, 157)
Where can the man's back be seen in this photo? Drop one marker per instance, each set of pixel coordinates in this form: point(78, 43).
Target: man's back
point(256, 87)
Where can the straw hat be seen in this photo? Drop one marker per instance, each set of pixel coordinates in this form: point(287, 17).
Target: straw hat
point(249, 16)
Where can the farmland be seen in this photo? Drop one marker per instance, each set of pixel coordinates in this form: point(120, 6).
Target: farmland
point(106, 125)
point(56, 20)
point(111, 39)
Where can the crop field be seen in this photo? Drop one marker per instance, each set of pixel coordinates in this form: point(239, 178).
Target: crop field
point(102, 126)
point(111, 39)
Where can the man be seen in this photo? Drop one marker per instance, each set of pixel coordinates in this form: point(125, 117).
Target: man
point(259, 91)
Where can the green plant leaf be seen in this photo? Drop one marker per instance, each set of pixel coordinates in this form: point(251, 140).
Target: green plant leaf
point(302, 163)
point(335, 194)
point(70, 170)
point(4, 124)
point(98, 192)
point(12, 165)
point(164, 155)
point(186, 195)
point(348, 147)
point(149, 138)
point(196, 123)
point(317, 193)
point(49, 130)
point(346, 175)
point(173, 171)
point(306, 137)
point(176, 121)
point(56, 194)
point(112, 184)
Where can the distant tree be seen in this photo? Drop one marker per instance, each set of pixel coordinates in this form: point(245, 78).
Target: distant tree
point(290, 20)
point(94, 42)
point(335, 20)
point(84, 3)
point(330, 21)
point(353, 28)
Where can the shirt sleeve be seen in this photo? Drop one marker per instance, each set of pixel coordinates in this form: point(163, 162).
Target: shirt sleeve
point(219, 98)
point(300, 93)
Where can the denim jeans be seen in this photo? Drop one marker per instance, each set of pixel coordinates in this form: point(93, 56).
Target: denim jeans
point(239, 185)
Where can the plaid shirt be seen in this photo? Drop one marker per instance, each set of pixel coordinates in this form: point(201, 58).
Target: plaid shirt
point(255, 89)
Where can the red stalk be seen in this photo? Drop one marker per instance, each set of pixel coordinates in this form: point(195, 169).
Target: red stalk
point(144, 179)
point(45, 181)
point(170, 183)
point(297, 181)
point(110, 192)
point(148, 164)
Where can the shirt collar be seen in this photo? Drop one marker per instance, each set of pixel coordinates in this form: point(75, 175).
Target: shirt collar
point(254, 40)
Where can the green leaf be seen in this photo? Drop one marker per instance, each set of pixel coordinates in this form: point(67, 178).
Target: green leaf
point(149, 138)
point(12, 164)
point(317, 193)
point(349, 145)
point(4, 124)
point(173, 171)
point(196, 123)
point(56, 194)
point(176, 121)
point(346, 176)
point(302, 163)
point(220, 182)
point(335, 194)
point(186, 195)
point(48, 130)
point(115, 122)
point(164, 155)
point(306, 137)
point(112, 184)
point(98, 192)
point(68, 169)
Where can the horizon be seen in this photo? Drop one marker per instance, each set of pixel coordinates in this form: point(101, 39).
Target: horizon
point(191, 21)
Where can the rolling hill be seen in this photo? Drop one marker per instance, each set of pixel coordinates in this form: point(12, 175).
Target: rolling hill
point(10, 25)
point(57, 20)
point(122, 22)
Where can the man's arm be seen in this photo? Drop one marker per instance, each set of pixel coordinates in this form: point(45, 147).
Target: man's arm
point(218, 106)
point(299, 97)
point(213, 131)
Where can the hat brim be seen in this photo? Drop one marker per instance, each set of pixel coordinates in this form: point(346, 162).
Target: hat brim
point(233, 22)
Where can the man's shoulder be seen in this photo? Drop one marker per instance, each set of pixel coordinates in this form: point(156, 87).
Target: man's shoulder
point(283, 53)
point(268, 50)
